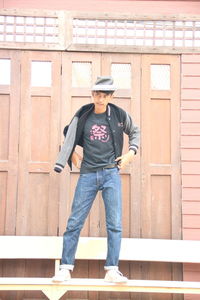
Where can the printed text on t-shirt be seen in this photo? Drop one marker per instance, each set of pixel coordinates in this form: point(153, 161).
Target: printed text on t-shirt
point(99, 132)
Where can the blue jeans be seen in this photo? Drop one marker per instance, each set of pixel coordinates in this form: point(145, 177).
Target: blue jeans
point(109, 182)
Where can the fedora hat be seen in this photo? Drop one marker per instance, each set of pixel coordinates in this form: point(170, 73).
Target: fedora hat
point(104, 83)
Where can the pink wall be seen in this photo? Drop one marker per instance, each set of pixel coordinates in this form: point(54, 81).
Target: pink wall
point(190, 155)
point(138, 7)
point(190, 145)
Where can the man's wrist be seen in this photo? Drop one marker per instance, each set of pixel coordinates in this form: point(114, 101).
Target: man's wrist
point(131, 152)
point(130, 155)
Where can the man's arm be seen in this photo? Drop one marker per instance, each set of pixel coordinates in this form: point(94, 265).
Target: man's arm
point(67, 146)
point(133, 133)
point(125, 159)
point(76, 159)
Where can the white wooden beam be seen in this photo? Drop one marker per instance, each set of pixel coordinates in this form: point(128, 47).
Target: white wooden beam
point(53, 290)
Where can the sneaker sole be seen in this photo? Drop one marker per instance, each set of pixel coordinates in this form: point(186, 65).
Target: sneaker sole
point(60, 280)
point(111, 281)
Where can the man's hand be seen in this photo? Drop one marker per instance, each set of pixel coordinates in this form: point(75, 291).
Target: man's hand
point(76, 160)
point(125, 159)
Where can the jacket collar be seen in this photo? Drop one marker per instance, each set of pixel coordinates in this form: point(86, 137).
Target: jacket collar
point(89, 108)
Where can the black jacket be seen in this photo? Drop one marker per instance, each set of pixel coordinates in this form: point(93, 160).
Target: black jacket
point(119, 121)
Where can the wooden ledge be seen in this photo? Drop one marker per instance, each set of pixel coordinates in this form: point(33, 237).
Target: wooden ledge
point(76, 284)
point(95, 248)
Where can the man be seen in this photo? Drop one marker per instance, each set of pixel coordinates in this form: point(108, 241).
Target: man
point(98, 127)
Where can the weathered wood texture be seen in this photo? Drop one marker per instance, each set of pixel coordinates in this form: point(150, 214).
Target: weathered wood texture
point(190, 154)
point(146, 7)
point(37, 201)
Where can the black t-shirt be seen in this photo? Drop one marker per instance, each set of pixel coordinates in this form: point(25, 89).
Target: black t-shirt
point(98, 150)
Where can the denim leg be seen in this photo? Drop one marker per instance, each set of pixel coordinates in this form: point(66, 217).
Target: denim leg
point(84, 196)
point(111, 194)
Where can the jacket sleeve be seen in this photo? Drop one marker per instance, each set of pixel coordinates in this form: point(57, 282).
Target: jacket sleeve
point(67, 146)
point(65, 130)
point(133, 133)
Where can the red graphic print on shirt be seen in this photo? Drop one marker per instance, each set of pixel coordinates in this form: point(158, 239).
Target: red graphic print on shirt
point(99, 132)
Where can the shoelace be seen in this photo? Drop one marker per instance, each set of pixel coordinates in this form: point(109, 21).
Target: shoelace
point(118, 273)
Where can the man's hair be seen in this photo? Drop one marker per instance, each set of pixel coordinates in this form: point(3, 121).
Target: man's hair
point(105, 92)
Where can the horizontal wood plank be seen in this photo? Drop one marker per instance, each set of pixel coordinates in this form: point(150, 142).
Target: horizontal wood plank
point(190, 274)
point(190, 58)
point(191, 207)
point(191, 181)
point(192, 194)
point(35, 247)
point(192, 268)
point(192, 167)
point(193, 94)
point(190, 104)
point(191, 221)
point(191, 234)
point(96, 248)
point(190, 154)
point(153, 286)
point(191, 115)
point(190, 82)
point(190, 141)
point(191, 69)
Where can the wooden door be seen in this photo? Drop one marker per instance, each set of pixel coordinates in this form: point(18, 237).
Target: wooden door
point(160, 159)
point(9, 143)
point(160, 126)
point(9, 138)
point(38, 185)
point(79, 71)
point(125, 70)
point(37, 212)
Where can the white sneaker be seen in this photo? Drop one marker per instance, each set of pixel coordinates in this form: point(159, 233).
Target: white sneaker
point(62, 275)
point(115, 276)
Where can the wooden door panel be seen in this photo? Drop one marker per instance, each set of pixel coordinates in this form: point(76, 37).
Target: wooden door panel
point(40, 131)
point(4, 125)
point(127, 96)
point(160, 160)
point(160, 129)
point(160, 147)
point(37, 212)
point(9, 140)
point(160, 207)
point(79, 71)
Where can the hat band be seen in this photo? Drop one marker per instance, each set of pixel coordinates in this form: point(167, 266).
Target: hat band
point(103, 87)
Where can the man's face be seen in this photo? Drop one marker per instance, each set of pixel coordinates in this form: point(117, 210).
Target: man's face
point(101, 100)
